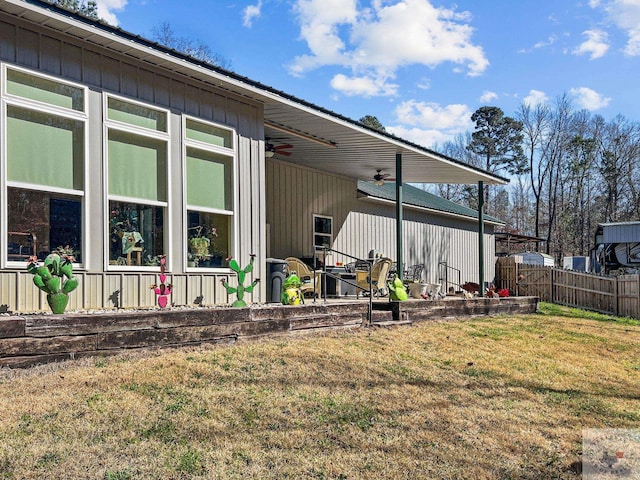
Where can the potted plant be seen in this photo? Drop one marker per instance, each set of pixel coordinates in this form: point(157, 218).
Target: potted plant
point(199, 243)
point(55, 278)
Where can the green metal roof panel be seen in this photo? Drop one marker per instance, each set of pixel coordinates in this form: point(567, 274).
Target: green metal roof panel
point(419, 198)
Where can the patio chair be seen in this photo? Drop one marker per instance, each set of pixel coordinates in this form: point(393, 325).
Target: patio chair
point(377, 281)
point(306, 276)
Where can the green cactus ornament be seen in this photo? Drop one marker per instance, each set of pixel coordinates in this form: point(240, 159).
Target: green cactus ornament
point(397, 291)
point(55, 278)
point(241, 289)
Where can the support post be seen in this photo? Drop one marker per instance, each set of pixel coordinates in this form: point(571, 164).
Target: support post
point(480, 239)
point(399, 247)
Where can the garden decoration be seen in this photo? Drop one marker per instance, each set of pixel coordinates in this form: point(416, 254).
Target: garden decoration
point(164, 289)
point(55, 278)
point(397, 290)
point(240, 289)
point(291, 293)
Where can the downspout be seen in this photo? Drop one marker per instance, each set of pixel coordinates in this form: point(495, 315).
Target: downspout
point(399, 250)
point(480, 239)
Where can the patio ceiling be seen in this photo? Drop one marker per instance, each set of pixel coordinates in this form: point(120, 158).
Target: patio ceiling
point(335, 144)
point(321, 139)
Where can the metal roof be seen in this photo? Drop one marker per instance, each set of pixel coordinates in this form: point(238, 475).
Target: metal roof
point(416, 197)
point(321, 139)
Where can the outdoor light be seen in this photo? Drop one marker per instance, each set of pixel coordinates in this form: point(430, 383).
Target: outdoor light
point(269, 150)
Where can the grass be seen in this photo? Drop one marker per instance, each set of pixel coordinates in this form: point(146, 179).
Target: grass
point(483, 398)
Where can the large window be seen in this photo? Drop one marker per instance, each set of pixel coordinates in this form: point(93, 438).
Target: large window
point(209, 173)
point(44, 123)
point(137, 139)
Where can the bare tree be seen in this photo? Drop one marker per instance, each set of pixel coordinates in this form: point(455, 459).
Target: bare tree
point(164, 34)
point(536, 122)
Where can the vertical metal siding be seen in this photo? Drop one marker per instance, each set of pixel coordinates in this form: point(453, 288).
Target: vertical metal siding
point(8, 41)
point(294, 194)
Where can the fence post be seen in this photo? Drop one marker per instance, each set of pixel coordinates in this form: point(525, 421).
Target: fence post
point(552, 296)
point(637, 312)
point(615, 294)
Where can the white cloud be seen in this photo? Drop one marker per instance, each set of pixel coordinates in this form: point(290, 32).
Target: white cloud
point(432, 115)
point(375, 42)
point(428, 123)
point(488, 97)
point(363, 86)
point(626, 15)
point(250, 13)
point(588, 99)
point(107, 9)
point(541, 44)
point(535, 97)
point(596, 44)
point(426, 138)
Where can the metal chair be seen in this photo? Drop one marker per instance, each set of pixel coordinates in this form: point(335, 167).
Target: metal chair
point(413, 273)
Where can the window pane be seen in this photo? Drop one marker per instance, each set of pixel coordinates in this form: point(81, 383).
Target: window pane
point(135, 234)
point(210, 134)
point(40, 222)
point(44, 149)
point(322, 241)
point(209, 237)
point(137, 115)
point(137, 166)
point(43, 90)
point(209, 178)
point(322, 225)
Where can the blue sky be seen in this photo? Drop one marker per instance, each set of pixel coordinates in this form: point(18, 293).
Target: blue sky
point(421, 66)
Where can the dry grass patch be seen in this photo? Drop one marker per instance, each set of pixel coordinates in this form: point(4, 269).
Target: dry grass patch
point(482, 398)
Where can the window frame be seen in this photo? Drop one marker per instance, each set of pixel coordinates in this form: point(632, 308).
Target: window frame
point(322, 234)
point(8, 99)
point(232, 153)
point(143, 132)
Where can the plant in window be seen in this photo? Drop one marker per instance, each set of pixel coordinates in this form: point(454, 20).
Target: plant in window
point(55, 278)
point(66, 252)
point(240, 289)
point(199, 243)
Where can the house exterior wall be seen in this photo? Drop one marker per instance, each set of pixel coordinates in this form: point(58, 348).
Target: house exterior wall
point(294, 194)
point(54, 54)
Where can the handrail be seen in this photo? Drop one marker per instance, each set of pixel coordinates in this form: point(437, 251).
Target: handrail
point(445, 279)
point(324, 274)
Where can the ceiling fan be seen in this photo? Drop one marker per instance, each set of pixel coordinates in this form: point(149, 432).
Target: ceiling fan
point(271, 149)
point(379, 178)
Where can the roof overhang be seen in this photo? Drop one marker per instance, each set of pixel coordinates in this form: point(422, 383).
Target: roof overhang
point(321, 139)
point(384, 201)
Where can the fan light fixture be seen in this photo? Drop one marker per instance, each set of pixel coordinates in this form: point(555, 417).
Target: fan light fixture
point(379, 178)
point(269, 150)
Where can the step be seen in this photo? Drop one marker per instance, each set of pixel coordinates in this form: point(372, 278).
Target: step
point(391, 323)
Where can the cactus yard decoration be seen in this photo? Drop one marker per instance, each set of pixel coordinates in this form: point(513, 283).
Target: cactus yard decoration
point(164, 289)
point(55, 278)
point(240, 289)
point(397, 292)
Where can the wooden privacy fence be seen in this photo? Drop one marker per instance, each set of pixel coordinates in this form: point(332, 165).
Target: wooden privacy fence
point(613, 295)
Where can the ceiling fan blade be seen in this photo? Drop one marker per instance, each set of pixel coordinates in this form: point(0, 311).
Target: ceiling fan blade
point(282, 149)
